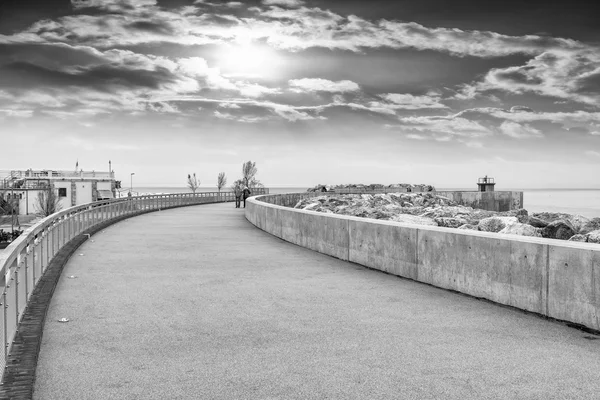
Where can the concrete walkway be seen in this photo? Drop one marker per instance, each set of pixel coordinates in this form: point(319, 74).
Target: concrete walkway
point(196, 303)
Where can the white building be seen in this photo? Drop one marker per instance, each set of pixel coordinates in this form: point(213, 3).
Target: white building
point(72, 187)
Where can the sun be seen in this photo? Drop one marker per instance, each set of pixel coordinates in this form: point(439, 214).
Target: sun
point(247, 60)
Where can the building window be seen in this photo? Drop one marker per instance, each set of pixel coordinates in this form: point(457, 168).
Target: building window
point(62, 192)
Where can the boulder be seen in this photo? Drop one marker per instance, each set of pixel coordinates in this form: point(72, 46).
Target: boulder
point(550, 216)
point(577, 222)
point(496, 224)
point(447, 212)
point(413, 219)
point(537, 222)
point(593, 237)
point(590, 226)
point(590, 237)
point(477, 215)
point(578, 238)
point(521, 230)
point(521, 215)
point(450, 222)
point(559, 229)
point(469, 227)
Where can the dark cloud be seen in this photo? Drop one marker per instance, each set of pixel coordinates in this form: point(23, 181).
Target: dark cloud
point(589, 85)
point(22, 75)
point(158, 27)
point(51, 56)
point(518, 76)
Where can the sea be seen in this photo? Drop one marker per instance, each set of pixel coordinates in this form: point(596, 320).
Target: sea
point(584, 202)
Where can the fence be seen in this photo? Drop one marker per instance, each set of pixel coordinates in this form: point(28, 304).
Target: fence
point(23, 263)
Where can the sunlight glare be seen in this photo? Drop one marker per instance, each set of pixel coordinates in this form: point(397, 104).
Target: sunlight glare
point(247, 59)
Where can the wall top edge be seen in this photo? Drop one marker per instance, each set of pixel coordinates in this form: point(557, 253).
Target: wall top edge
point(505, 237)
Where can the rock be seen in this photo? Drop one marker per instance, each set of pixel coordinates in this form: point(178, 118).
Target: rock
point(592, 225)
point(447, 212)
point(412, 219)
point(590, 237)
point(450, 222)
point(537, 222)
point(496, 224)
point(550, 216)
point(593, 237)
point(578, 238)
point(521, 215)
point(477, 215)
point(577, 222)
point(469, 227)
point(521, 230)
point(559, 229)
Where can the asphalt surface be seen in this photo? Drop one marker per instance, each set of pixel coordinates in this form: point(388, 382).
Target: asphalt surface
point(196, 303)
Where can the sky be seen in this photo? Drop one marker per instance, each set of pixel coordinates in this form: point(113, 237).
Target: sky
point(330, 92)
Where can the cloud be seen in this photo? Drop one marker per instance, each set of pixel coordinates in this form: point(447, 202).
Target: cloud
point(144, 21)
point(285, 3)
point(519, 131)
point(441, 128)
point(87, 81)
point(323, 85)
point(239, 118)
point(16, 113)
point(229, 105)
point(410, 102)
point(522, 115)
point(568, 74)
point(112, 5)
point(255, 90)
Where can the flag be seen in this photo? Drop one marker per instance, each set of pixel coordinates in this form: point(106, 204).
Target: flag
point(76, 165)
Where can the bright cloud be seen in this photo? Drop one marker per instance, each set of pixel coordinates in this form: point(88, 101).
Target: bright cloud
point(323, 85)
point(410, 102)
point(285, 3)
point(519, 131)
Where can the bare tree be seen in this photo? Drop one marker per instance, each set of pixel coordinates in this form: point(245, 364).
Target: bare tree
point(221, 181)
point(47, 202)
point(192, 182)
point(249, 172)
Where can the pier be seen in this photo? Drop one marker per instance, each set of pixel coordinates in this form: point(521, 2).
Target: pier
point(196, 302)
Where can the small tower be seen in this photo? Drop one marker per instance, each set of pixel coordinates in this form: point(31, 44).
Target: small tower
point(485, 184)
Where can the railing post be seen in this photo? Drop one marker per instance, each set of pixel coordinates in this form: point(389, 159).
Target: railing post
point(33, 261)
point(16, 307)
point(5, 313)
point(26, 273)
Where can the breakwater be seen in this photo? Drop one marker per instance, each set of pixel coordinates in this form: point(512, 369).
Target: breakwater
point(554, 278)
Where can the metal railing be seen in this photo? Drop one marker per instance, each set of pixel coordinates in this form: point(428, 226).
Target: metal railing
point(24, 261)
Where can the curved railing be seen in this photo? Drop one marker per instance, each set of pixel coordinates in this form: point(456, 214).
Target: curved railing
point(25, 260)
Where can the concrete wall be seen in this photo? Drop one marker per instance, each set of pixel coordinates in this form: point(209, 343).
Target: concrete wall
point(550, 277)
point(491, 201)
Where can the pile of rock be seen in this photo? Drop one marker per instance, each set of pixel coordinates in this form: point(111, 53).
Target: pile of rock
point(434, 210)
point(359, 187)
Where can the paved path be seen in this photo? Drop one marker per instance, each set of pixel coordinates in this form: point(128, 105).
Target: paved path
point(196, 303)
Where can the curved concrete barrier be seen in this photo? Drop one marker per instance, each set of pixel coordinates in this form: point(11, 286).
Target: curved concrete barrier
point(554, 278)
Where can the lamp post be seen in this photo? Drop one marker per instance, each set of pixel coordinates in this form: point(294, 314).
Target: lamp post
point(131, 183)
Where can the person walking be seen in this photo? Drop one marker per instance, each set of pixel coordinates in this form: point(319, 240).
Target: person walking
point(238, 195)
point(247, 194)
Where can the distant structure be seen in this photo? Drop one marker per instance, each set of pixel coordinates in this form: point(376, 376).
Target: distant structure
point(72, 187)
point(485, 184)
